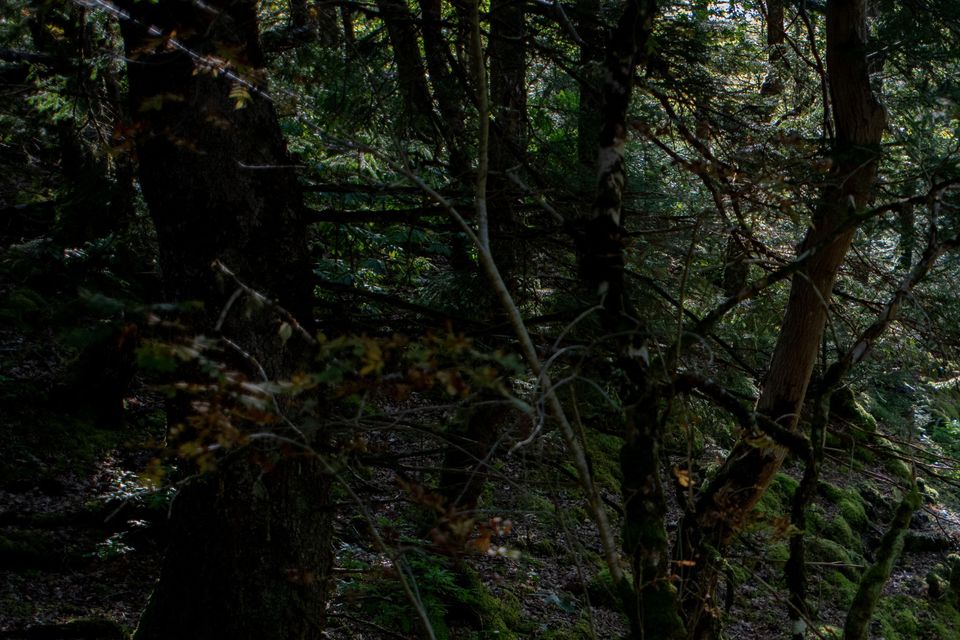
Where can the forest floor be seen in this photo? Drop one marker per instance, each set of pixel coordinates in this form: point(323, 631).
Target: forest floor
point(82, 533)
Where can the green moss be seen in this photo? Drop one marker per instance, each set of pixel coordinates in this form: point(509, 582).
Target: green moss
point(844, 404)
point(944, 620)
point(784, 486)
point(852, 507)
point(892, 463)
point(841, 589)
point(604, 451)
point(779, 552)
point(853, 510)
point(602, 591)
point(838, 530)
point(499, 617)
point(897, 618)
point(899, 468)
point(823, 550)
point(829, 491)
point(778, 496)
point(816, 519)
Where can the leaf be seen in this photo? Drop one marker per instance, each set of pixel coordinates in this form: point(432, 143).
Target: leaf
point(285, 332)
point(240, 96)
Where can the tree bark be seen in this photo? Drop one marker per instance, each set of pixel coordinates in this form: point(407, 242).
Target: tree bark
point(776, 35)
point(249, 552)
point(589, 89)
point(508, 101)
point(860, 121)
point(411, 76)
point(448, 89)
point(465, 462)
point(650, 603)
point(875, 577)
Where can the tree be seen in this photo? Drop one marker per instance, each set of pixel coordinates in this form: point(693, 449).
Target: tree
point(859, 120)
point(680, 342)
point(250, 551)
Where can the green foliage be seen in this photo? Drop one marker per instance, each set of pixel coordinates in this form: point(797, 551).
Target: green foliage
point(446, 595)
point(410, 335)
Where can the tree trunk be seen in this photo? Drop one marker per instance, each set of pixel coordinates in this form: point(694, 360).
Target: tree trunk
point(508, 101)
point(466, 461)
point(650, 603)
point(589, 90)
point(411, 76)
point(773, 83)
point(448, 89)
point(249, 556)
point(875, 577)
point(249, 552)
point(725, 503)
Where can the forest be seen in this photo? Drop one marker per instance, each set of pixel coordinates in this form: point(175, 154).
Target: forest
point(560, 319)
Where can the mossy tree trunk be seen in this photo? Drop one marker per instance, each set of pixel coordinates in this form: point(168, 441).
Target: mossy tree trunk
point(875, 577)
point(249, 551)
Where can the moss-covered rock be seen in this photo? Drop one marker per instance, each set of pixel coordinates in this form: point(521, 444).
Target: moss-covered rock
point(848, 562)
point(840, 588)
point(603, 592)
point(853, 510)
point(839, 530)
point(776, 499)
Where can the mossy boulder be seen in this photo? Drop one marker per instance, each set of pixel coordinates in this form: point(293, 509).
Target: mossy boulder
point(849, 502)
point(848, 562)
point(841, 588)
point(845, 405)
point(839, 530)
point(777, 498)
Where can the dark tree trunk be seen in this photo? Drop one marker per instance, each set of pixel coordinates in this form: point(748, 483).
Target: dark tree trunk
point(466, 462)
point(448, 89)
point(218, 180)
point(508, 101)
point(590, 30)
point(650, 603)
point(860, 121)
point(411, 76)
point(249, 556)
point(249, 552)
point(776, 35)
